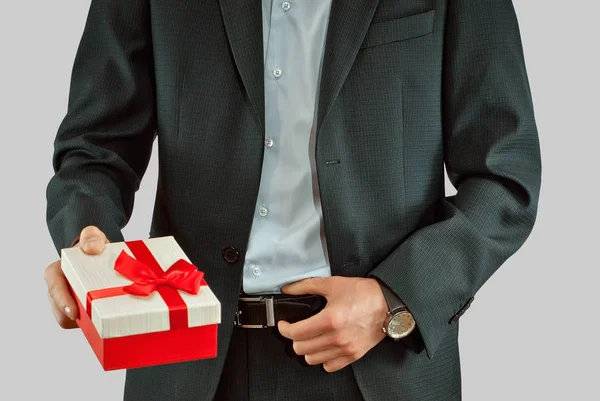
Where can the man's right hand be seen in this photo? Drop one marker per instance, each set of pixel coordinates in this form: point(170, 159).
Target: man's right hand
point(64, 307)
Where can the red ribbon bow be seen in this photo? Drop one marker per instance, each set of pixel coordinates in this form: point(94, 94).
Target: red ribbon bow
point(147, 276)
point(182, 275)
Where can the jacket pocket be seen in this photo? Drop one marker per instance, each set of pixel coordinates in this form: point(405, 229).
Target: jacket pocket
point(398, 29)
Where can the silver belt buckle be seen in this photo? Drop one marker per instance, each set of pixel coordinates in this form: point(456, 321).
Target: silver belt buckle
point(268, 301)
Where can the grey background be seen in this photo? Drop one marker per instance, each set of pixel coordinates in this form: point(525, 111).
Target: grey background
point(530, 334)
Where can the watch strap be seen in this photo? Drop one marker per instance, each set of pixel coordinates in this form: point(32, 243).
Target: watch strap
point(393, 301)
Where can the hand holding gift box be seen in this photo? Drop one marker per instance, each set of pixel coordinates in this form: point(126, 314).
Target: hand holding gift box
point(142, 303)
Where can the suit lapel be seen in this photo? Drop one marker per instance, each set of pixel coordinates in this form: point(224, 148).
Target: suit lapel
point(348, 24)
point(243, 23)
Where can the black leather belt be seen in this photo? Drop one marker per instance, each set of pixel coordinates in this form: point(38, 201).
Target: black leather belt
point(262, 311)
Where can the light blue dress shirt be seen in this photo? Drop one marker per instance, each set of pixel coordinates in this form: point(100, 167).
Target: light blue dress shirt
point(287, 239)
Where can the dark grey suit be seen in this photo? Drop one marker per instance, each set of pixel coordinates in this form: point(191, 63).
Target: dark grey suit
point(407, 85)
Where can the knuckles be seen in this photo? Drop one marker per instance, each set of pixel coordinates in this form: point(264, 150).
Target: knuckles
point(337, 320)
point(338, 339)
point(354, 352)
point(52, 289)
point(318, 281)
point(348, 348)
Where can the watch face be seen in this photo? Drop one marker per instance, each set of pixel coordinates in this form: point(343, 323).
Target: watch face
point(401, 325)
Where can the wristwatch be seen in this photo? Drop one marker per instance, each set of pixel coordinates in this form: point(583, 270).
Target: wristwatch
point(399, 322)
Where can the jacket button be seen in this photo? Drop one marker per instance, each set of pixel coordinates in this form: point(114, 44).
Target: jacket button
point(230, 254)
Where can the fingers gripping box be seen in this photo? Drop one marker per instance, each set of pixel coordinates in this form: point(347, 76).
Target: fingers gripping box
point(142, 303)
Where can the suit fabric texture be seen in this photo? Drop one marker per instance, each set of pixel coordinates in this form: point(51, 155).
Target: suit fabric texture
point(407, 87)
point(262, 365)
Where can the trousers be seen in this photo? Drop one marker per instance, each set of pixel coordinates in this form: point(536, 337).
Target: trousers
point(261, 365)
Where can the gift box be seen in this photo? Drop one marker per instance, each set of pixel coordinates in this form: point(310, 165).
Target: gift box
point(143, 303)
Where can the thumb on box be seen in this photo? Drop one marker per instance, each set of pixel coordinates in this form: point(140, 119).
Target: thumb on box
point(92, 240)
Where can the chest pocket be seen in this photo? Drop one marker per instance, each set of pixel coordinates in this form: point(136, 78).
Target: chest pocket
point(397, 29)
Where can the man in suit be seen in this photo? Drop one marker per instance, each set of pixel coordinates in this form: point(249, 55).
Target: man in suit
point(304, 143)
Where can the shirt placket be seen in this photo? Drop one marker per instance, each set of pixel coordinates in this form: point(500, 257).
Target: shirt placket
point(274, 70)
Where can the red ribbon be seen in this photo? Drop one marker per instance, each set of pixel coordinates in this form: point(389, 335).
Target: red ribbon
point(148, 276)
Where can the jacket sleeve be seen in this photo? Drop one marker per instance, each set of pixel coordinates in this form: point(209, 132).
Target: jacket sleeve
point(103, 144)
point(492, 155)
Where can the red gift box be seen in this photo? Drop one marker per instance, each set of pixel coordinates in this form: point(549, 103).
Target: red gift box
point(143, 303)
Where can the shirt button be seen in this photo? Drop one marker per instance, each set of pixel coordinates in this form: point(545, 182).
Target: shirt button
point(268, 142)
point(277, 72)
point(230, 254)
point(286, 5)
point(263, 211)
point(256, 271)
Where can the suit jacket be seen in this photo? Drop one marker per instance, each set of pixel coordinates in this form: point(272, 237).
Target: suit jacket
point(408, 86)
